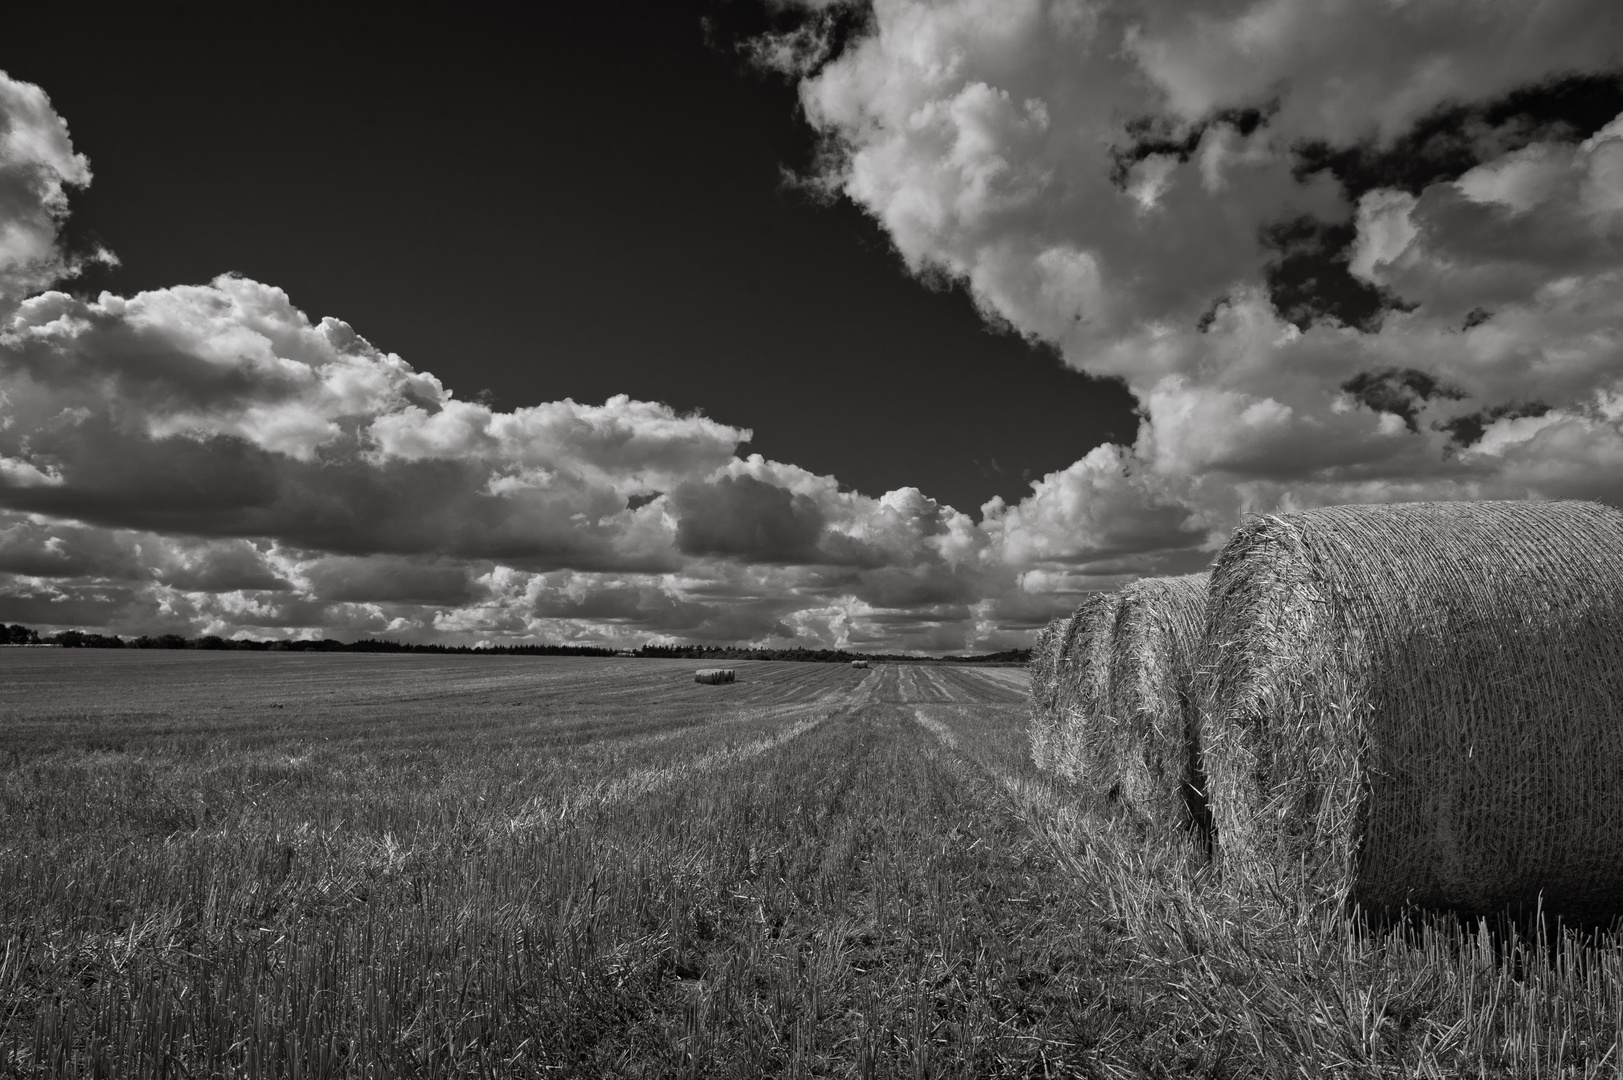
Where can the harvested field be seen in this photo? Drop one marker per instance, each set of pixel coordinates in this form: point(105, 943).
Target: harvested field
point(264, 865)
point(1422, 704)
point(1109, 692)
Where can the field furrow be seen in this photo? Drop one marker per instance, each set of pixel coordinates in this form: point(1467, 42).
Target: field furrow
point(262, 865)
point(346, 866)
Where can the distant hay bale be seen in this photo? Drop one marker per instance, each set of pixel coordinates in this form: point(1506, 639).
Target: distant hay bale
point(1421, 704)
point(861, 664)
point(1072, 684)
point(1140, 749)
point(713, 675)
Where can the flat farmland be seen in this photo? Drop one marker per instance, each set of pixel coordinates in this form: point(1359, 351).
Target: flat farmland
point(294, 865)
point(261, 864)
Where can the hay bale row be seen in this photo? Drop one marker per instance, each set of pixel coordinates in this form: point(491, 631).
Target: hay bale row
point(1044, 671)
point(1421, 704)
point(1109, 690)
point(1145, 747)
point(1081, 684)
point(1392, 706)
point(713, 675)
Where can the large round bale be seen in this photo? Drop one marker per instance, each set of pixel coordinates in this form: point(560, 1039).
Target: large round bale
point(1079, 687)
point(1421, 704)
point(1142, 749)
point(1044, 667)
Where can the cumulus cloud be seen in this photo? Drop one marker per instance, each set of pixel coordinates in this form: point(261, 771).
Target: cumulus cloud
point(389, 579)
point(1343, 71)
point(210, 459)
point(744, 517)
point(37, 165)
point(223, 410)
point(35, 547)
point(1100, 509)
point(1337, 252)
point(208, 456)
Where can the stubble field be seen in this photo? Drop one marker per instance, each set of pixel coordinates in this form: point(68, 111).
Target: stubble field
point(240, 864)
point(273, 864)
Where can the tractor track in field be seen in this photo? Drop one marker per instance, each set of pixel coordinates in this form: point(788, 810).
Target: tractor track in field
point(814, 871)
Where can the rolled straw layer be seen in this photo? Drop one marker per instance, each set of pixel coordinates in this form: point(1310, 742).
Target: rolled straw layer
point(1069, 695)
point(1421, 704)
point(1142, 748)
point(1043, 671)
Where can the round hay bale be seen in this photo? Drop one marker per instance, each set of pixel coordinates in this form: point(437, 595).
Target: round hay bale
point(1080, 684)
point(1142, 749)
point(1044, 665)
point(1421, 704)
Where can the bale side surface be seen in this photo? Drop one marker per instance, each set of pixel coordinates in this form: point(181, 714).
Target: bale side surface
point(1044, 667)
point(1421, 703)
point(1144, 745)
point(1081, 684)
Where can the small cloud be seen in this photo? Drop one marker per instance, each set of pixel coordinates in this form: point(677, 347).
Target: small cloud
point(743, 517)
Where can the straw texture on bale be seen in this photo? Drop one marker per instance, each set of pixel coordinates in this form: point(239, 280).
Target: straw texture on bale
point(1044, 667)
point(1421, 704)
point(1141, 746)
point(713, 675)
point(1068, 696)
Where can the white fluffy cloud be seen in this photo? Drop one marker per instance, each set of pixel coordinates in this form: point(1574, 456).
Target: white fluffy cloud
point(209, 459)
point(1338, 252)
point(222, 410)
point(1344, 71)
point(37, 163)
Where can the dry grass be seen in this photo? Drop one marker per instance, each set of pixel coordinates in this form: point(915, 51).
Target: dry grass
point(1245, 983)
point(1196, 977)
point(1420, 704)
point(517, 867)
point(533, 867)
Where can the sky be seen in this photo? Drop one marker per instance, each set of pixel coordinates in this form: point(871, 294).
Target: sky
point(897, 325)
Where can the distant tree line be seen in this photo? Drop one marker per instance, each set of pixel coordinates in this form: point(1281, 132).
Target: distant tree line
point(78, 639)
point(18, 635)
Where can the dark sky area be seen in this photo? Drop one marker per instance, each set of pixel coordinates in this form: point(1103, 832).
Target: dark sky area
point(544, 205)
